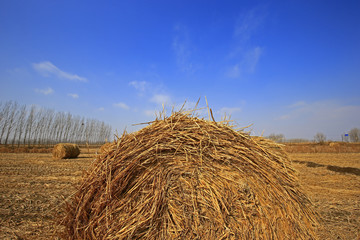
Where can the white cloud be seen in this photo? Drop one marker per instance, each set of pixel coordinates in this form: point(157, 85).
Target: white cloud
point(73, 95)
point(245, 56)
point(161, 99)
point(248, 23)
point(45, 91)
point(47, 68)
point(252, 59)
point(139, 85)
point(121, 105)
point(100, 109)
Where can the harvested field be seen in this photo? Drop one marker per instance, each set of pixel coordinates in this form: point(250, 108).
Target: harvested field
point(33, 186)
point(334, 191)
point(326, 147)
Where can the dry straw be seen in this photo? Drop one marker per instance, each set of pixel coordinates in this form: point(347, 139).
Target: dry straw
point(65, 150)
point(183, 177)
point(106, 147)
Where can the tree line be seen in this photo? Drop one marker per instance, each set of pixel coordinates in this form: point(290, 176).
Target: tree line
point(352, 136)
point(20, 124)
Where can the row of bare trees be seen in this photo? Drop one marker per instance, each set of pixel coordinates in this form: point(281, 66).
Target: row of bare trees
point(353, 136)
point(20, 124)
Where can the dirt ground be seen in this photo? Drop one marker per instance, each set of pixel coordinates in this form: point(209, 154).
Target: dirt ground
point(332, 181)
point(33, 188)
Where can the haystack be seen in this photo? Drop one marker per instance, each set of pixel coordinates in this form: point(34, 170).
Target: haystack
point(334, 144)
point(106, 147)
point(65, 150)
point(183, 177)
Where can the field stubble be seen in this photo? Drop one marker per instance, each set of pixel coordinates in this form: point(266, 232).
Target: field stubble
point(34, 187)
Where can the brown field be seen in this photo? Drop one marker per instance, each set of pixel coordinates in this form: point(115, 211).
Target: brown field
point(34, 187)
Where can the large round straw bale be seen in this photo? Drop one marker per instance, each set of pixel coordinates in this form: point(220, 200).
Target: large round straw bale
point(187, 178)
point(106, 147)
point(65, 150)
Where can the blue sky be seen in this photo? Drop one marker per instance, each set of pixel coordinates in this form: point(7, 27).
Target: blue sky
point(289, 67)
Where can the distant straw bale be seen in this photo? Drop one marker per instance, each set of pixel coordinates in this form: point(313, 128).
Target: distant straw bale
point(183, 177)
point(65, 150)
point(334, 144)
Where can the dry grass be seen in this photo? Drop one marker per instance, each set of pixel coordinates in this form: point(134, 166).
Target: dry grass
point(33, 187)
point(65, 150)
point(186, 178)
point(25, 149)
point(336, 194)
point(327, 147)
point(105, 148)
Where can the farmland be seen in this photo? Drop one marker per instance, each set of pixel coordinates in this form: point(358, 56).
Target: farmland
point(33, 188)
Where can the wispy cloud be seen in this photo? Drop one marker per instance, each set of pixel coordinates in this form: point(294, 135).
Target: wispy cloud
point(100, 109)
point(298, 104)
point(121, 105)
point(73, 95)
point(252, 58)
point(284, 117)
point(304, 119)
point(247, 64)
point(154, 94)
point(47, 69)
point(161, 99)
point(324, 114)
point(46, 91)
point(234, 71)
point(182, 49)
point(140, 86)
point(245, 56)
point(248, 23)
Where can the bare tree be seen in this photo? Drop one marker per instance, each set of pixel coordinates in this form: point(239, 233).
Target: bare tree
point(44, 126)
point(42, 118)
point(68, 126)
point(4, 118)
point(60, 125)
point(29, 125)
point(320, 138)
point(354, 135)
point(19, 125)
point(76, 128)
point(79, 133)
point(277, 137)
point(54, 128)
point(37, 125)
point(48, 121)
point(11, 120)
